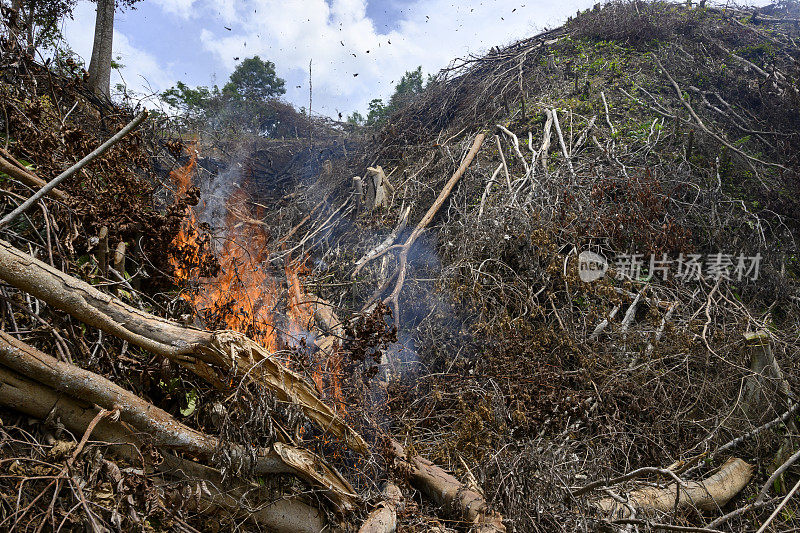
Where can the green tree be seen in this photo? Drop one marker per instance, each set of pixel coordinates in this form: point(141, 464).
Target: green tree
point(376, 112)
point(191, 102)
point(356, 119)
point(255, 79)
point(248, 102)
point(410, 84)
point(36, 22)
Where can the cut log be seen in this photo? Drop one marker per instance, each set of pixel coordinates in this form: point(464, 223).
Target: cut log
point(194, 349)
point(162, 428)
point(709, 495)
point(383, 519)
point(287, 515)
point(378, 188)
point(455, 497)
point(282, 515)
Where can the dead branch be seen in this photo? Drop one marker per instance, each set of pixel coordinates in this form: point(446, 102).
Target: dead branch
point(660, 331)
point(750, 159)
point(52, 184)
point(161, 427)
point(385, 245)
point(456, 497)
point(434, 208)
point(776, 474)
point(503, 161)
point(36, 400)
point(639, 472)
point(584, 135)
point(604, 324)
point(545, 148)
point(779, 508)
point(750, 434)
point(709, 494)
point(561, 141)
point(631, 312)
point(515, 142)
point(488, 188)
point(665, 527)
point(18, 172)
point(197, 350)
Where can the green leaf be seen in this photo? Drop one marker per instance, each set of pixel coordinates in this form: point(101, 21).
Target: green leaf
point(191, 403)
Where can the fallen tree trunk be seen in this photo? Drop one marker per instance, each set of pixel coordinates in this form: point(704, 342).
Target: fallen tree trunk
point(162, 428)
point(194, 349)
point(709, 494)
point(444, 489)
point(383, 519)
point(287, 515)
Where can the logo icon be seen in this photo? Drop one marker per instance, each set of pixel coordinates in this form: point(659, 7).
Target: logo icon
point(591, 266)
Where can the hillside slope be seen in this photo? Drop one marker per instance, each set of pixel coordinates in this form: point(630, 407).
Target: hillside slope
point(641, 132)
point(579, 289)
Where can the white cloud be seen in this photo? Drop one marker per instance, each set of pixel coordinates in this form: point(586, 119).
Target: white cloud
point(337, 35)
point(182, 8)
point(293, 32)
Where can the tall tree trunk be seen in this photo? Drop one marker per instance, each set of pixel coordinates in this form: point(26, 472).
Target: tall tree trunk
point(100, 65)
point(30, 27)
point(14, 20)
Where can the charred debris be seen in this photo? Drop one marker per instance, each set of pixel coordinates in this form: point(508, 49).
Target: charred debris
point(204, 331)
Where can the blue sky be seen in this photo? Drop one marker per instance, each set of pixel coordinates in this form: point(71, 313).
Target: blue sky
point(198, 41)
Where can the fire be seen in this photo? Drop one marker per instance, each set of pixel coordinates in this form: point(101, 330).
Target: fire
point(244, 295)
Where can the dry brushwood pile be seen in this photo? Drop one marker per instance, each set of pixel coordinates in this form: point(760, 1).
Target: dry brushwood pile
point(200, 332)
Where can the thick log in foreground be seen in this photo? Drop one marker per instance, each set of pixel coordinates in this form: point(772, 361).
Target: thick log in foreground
point(162, 429)
point(455, 497)
point(286, 515)
point(709, 494)
point(383, 519)
point(194, 349)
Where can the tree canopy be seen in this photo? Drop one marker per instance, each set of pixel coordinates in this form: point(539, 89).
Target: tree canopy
point(377, 112)
point(254, 79)
point(247, 102)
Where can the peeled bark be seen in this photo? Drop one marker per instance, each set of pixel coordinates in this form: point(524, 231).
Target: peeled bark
point(383, 519)
point(288, 515)
point(443, 488)
point(194, 349)
point(100, 64)
point(709, 495)
point(161, 427)
point(378, 188)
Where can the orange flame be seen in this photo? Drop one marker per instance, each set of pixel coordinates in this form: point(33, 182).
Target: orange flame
point(244, 297)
